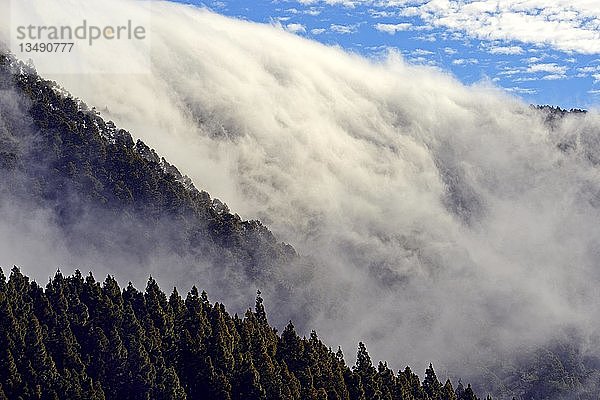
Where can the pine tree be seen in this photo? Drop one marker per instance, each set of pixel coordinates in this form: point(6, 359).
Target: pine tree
point(246, 382)
point(460, 391)
point(465, 394)
point(168, 386)
point(410, 385)
point(194, 365)
point(141, 373)
point(41, 374)
point(364, 368)
point(469, 394)
point(10, 377)
point(112, 354)
point(222, 341)
point(291, 349)
point(431, 385)
point(156, 303)
point(259, 308)
point(354, 384)
point(448, 391)
point(290, 384)
point(176, 309)
point(387, 381)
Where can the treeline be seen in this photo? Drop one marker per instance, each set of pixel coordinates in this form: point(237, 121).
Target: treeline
point(558, 110)
point(82, 339)
point(554, 114)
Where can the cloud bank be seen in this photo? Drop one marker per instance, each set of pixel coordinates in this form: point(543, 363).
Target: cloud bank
point(447, 223)
point(563, 25)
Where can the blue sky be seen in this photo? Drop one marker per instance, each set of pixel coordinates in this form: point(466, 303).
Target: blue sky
point(546, 51)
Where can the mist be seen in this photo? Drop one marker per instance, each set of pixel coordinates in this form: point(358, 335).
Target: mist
point(50, 220)
point(447, 223)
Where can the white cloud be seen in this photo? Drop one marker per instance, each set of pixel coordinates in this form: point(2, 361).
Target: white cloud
point(310, 11)
point(508, 50)
point(509, 71)
point(381, 13)
point(450, 51)
point(392, 28)
point(521, 90)
point(421, 52)
point(345, 3)
point(567, 25)
point(553, 77)
point(551, 68)
point(344, 29)
point(420, 60)
point(589, 69)
point(295, 28)
point(532, 60)
point(427, 38)
point(465, 61)
point(317, 31)
point(526, 79)
point(564, 25)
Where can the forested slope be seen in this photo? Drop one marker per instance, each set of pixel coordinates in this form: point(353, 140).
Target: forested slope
point(108, 193)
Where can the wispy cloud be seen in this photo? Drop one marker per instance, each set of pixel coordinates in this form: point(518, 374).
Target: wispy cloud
point(551, 68)
point(521, 90)
point(465, 61)
point(392, 28)
point(554, 77)
point(295, 28)
point(344, 29)
point(450, 50)
point(508, 50)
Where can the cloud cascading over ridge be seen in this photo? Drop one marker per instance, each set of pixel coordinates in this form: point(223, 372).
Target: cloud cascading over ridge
point(445, 218)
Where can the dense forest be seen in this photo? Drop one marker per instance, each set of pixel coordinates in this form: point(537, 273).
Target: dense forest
point(82, 339)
